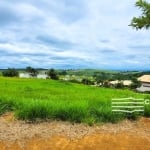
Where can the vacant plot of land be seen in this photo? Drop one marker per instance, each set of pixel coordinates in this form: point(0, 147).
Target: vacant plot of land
point(36, 99)
point(126, 135)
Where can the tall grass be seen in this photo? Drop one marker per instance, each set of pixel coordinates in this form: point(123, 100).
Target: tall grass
point(33, 99)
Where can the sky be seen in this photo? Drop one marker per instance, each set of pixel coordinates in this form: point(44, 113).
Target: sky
point(72, 34)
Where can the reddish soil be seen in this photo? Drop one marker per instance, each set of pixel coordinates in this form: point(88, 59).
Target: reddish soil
point(57, 135)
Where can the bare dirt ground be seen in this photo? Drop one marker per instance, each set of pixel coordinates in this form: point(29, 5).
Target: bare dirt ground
point(57, 135)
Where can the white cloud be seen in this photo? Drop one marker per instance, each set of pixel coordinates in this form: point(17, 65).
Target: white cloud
point(87, 33)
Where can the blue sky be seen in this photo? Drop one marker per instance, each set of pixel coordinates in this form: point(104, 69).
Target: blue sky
point(72, 34)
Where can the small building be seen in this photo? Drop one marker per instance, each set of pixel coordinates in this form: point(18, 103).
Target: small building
point(114, 82)
point(145, 83)
point(124, 82)
point(127, 82)
point(42, 76)
point(24, 75)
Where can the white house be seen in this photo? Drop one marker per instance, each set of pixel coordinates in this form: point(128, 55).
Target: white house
point(24, 75)
point(127, 82)
point(145, 83)
point(124, 82)
point(42, 76)
point(28, 75)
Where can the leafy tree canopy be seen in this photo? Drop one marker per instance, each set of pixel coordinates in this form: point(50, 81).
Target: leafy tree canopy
point(33, 72)
point(52, 74)
point(142, 21)
point(10, 72)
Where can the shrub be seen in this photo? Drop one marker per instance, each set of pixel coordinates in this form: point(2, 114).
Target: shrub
point(10, 72)
point(33, 72)
point(87, 81)
point(135, 83)
point(106, 84)
point(119, 85)
point(52, 74)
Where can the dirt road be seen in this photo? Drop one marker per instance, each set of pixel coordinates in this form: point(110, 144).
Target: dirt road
point(57, 135)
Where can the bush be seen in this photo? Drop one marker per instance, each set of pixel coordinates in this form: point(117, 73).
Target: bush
point(52, 74)
point(33, 72)
point(119, 85)
point(87, 81)
point(63, 72)
point(74, 81)
point(106, 84)
point(135, 83)
point(10, 72)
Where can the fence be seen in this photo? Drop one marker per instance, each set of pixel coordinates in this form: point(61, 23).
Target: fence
point(128, 105)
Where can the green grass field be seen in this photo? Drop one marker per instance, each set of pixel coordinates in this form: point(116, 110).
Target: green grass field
point(34, 99)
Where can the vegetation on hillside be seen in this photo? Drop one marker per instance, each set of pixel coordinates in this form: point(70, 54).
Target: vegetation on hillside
point(48, 99)
point(94, 77)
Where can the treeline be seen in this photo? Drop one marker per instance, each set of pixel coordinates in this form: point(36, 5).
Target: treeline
point(99, 78)
point(12, 72)
point(102, 76)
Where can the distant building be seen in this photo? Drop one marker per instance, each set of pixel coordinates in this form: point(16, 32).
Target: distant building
point(145, 83)
point(124, 82)
point(24, 75)
point(114, 82)
point(67, 78)
point(127, 82)
point(42, 76)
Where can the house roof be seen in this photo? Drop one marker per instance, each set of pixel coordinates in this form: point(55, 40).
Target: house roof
point(144, 78)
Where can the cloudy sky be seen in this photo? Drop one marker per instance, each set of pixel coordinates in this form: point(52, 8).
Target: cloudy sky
point(72, 34)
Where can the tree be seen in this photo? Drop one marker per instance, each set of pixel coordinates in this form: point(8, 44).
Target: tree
point(135, 83)
point(119, 85)
point(101, 77)
point(106, 84)
point(10, 72)
point(142, 21)
point(29, 69)
point(52, 74)
point(63, 72)
point(87, 81)
point(33, 72)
